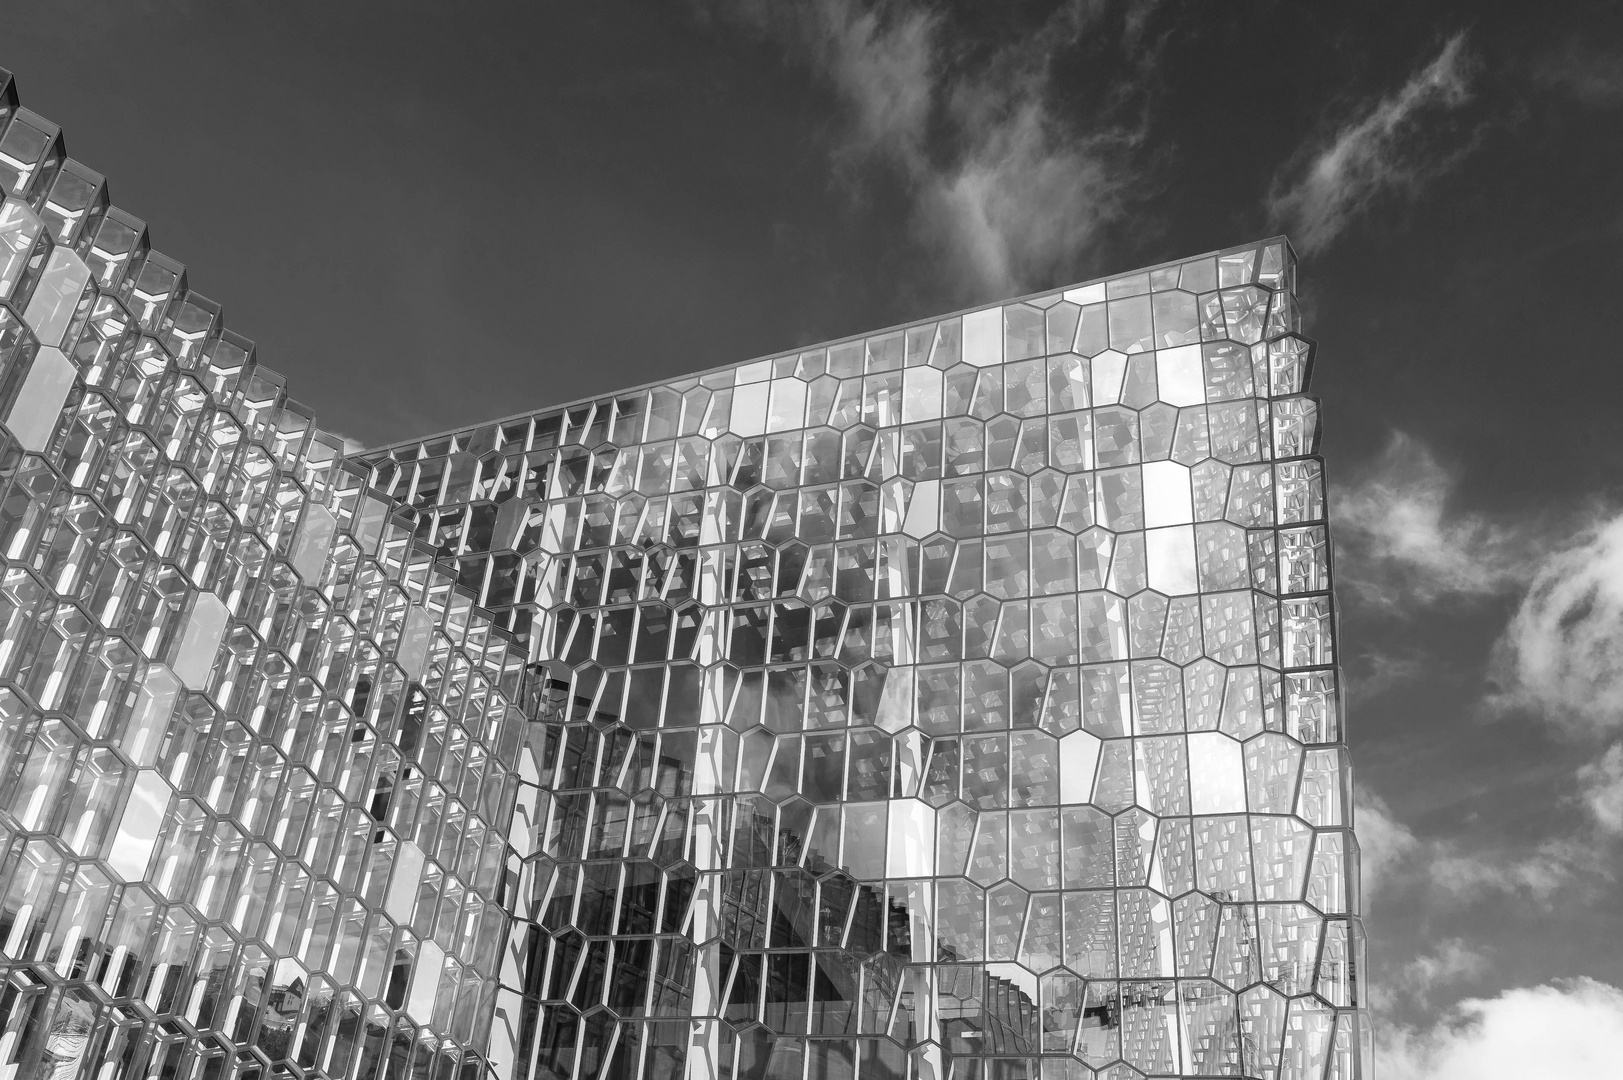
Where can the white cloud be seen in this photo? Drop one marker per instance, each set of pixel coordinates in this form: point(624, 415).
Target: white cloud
point(1572, 1030)
point(1377, 152)
point(1003, 190)
point(1406, 544)
point(1562, 654)
point(1601, 787)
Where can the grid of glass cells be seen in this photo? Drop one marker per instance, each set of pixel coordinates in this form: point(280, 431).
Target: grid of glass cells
point(955, 701)
point(257, 749)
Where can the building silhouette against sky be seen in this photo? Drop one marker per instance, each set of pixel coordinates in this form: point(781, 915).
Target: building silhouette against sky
point(958, 700)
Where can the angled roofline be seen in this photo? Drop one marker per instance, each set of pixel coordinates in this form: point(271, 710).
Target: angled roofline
point(370, 453)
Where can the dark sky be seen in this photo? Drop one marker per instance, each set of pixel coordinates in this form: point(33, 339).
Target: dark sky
point(428, 215)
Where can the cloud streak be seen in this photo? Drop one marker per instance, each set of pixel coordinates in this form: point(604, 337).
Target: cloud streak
point(1384, 149)
point(1002, 191)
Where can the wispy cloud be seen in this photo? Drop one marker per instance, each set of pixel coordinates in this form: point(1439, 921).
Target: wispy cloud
point(1385, 844)
point(1480, 1038)
point(1592, 76)
point(1453, 960)
point(1379, 665)
point(1562, 654)
point(1408, 545)
point(1538, 875)
point(1002, 189)
point(1421, 978)
point(1384, 148)
point(1600, 785)
point(1568, 1029)
point(1395, 861)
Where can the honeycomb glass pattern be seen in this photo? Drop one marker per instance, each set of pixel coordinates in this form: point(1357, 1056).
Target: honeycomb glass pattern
point(958, 701)
point(257, 748)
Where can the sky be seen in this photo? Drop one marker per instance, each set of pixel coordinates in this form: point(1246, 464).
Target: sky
point(428, 215)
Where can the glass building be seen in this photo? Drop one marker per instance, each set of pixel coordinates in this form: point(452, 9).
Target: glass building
point(954, 702)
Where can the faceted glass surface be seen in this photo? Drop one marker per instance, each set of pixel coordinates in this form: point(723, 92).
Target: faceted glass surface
point(257, 749)
point(957, 701)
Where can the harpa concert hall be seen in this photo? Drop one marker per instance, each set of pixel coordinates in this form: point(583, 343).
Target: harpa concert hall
point(953, 702)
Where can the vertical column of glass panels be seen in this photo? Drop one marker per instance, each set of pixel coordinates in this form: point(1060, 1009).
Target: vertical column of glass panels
point(955, 701)
point(257, 749)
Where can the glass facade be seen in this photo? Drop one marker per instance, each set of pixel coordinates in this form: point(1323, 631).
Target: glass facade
point(257, 749)
point(957, 701)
